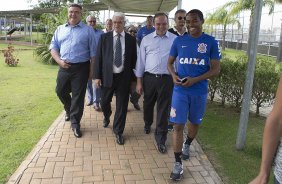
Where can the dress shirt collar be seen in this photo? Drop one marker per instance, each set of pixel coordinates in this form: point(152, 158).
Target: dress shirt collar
point(178, 32)
point(122, 33)
point(165, 35)
point(79, 24)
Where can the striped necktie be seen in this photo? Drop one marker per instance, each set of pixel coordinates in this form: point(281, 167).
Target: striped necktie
point(118, 57)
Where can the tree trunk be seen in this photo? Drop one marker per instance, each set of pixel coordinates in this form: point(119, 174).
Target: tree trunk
point(279, 55)
point(223, 37)
point(250, 33)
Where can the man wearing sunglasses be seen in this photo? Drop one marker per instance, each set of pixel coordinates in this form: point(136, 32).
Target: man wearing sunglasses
point(179, 17)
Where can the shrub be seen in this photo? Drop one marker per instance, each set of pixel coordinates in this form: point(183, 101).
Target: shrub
point(265, 82)
point(10, 58)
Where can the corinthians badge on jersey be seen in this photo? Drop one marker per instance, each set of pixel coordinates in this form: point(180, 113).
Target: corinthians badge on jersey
point(202, 47)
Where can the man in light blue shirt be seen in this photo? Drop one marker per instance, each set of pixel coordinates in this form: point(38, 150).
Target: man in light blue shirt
point(73, 47)
point(94, 93)
point(153, 77)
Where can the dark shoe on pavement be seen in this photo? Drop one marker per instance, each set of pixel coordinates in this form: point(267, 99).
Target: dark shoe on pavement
point(120, 139)
point(161, 148)
point(170, 127)
point(137, 106)
point(177, 172)
point(147, 130)
point(67, 117)
point(106, 122)
point(89, 103)
point(77, 133)
point(97, 107)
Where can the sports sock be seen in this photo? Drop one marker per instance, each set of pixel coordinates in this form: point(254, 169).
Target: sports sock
point(177, 157)
point(188, 140)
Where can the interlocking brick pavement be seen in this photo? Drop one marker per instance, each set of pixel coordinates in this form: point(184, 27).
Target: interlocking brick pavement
point(59, 157)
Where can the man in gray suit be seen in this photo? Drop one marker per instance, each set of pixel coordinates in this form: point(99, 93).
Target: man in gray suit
point(113, 72)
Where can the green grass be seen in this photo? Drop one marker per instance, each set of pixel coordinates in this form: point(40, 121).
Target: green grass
point(217, 136)
point(28, 106)
point(232, 54)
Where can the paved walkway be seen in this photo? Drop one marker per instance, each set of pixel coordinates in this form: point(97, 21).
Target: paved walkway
point(97, 158)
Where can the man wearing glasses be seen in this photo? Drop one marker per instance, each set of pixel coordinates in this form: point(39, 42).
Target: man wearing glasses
point(113, 72)
point(179, 17)
point(94, 93)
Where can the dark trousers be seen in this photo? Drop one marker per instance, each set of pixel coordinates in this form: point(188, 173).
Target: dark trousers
point(73, 80)
point(121, 89)
point(157, 89)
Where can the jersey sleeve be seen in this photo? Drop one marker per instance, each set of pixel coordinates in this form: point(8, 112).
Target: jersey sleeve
point(215, 50)
point(173, 49)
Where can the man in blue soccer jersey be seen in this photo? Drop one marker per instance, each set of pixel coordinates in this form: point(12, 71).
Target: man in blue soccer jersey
point(199, 57)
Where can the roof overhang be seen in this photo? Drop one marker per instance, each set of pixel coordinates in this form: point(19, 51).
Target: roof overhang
point(141, 6)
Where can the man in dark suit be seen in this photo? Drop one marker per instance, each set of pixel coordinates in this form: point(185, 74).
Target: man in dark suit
point(113, 72)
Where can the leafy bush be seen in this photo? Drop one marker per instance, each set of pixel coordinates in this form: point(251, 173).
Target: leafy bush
point(10, 58)
point(229, 84)
point(265, 82)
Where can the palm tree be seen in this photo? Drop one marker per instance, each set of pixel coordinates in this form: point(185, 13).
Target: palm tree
point(52, 21)
point(243, 5)
point(222, 17)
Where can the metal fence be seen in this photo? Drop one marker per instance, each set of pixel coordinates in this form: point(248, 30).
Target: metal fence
point(270, 34)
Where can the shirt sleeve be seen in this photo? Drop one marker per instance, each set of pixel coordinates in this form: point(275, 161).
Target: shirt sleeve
point(54, 42)
point(215, 50)
point(141, 59)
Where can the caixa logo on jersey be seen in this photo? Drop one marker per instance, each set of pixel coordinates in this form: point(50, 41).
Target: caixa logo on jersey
point(202, 47)
point(192, 61)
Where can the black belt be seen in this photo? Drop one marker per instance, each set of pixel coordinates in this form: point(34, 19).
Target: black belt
point(156, 75)
point(80, 63)
point(117, 74)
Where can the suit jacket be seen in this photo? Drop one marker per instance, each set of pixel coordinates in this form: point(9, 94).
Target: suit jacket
point(103, 67)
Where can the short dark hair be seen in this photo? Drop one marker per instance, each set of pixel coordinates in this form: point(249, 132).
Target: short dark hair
point(149, 17)
point(75, 5)
point(180, 11)
point(160, 14)
point(198, 12)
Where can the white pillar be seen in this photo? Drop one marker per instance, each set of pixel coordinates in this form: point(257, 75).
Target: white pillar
point(179, 5)
point(30, 29)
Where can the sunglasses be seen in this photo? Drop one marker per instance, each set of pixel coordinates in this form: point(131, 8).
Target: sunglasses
point(180, 18)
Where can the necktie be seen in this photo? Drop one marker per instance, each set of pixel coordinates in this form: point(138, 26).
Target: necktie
point(118, 57)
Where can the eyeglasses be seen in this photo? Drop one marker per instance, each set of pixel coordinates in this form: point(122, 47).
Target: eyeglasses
point(92, 21)
point(180, 18)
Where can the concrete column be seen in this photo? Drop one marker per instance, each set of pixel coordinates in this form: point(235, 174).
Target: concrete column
point(279, 55)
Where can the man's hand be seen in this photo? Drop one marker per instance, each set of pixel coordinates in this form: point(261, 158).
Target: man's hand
point(139, 87)
point(98, 83)
point(64, 64)
point(190, 81)
point(176, 80)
